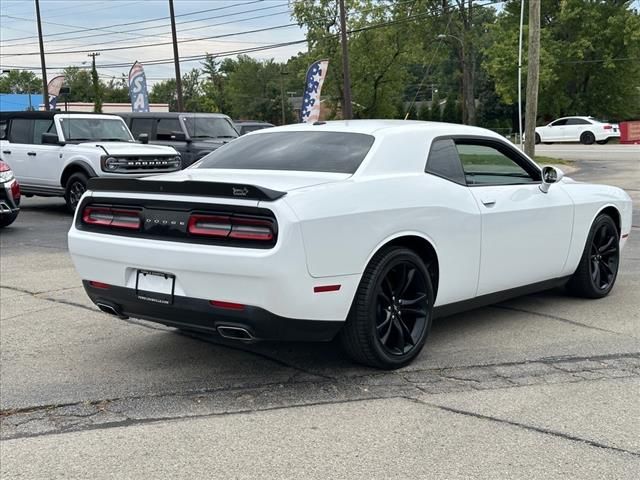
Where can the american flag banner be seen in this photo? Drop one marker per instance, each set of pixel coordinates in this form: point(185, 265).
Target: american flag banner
point(138, 88)
point(310, 111)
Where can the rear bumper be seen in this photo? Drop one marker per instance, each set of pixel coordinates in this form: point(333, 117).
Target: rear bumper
point(199, 315)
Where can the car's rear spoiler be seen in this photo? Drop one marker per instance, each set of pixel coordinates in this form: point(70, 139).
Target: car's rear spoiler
point(186, 187)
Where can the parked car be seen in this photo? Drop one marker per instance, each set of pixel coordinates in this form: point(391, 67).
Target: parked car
point(363, 229)
point(246, 126)
point(193, 135)
point(54, 154)
point(586, 130)
point(9, 195)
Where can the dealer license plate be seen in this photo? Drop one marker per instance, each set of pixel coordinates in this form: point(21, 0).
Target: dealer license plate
point(156, 287)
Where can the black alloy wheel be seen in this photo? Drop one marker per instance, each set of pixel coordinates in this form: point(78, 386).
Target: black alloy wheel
point(76, 186)
point(391, 314)
point(598, 268)
point(587, 138)
point(603, 257)
point(537, 139)
point(401, 308)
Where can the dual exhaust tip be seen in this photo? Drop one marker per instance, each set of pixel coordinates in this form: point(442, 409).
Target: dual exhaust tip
point(226, 331)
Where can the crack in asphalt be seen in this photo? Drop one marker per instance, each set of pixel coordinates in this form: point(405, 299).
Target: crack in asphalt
point(560, 319)
point(82, 416)
point(524, 426)
point(39, 296)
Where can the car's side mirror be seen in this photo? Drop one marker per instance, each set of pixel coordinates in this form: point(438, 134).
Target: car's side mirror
point(178, 136)
point(143, 138)
point(51, 139)
point(550, 175)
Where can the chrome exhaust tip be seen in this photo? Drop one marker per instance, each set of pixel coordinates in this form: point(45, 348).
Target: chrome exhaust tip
point(110, 309)
point(235, 333)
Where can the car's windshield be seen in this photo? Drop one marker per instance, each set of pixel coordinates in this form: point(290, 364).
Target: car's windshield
point(209, 127)
point(337, 152)
point(80, 129)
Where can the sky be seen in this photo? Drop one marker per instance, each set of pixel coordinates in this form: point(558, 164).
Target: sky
point(68, 42)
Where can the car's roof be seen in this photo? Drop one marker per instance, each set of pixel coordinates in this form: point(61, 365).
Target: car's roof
point(382, 127)
point(40, 114)
point(171, 114)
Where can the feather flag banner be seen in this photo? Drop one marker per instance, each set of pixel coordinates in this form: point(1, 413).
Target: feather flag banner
point(138, 89)
point(310, 111)
point(53, 89)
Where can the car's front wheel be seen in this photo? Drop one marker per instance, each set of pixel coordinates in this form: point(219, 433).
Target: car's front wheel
point(598, 267)
point(587, 138)
point(76, 186)
point(392, 311)
point(537, 139)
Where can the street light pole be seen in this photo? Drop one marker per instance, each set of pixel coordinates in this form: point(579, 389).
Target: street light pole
point(45, 93)
point(176, 57)
point(347, 112)
point(520, 76)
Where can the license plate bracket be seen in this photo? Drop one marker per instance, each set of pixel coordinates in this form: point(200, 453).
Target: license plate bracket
point(155, 287)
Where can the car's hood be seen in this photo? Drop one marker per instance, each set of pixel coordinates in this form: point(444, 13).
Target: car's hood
point(283, 181)
point(130, 148)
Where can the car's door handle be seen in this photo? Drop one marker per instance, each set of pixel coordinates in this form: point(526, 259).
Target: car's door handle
point(488, 202)
point(6, 152)
point(31, 154)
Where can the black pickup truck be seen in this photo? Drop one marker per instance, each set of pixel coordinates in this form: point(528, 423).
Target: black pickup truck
point(193, 135)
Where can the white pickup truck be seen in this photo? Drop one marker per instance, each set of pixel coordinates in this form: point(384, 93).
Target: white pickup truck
point(54, 153)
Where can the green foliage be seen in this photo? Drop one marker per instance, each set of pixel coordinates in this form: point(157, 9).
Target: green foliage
point(20, 81)
point(451, 112)
point(97, 89)
point(589, 58)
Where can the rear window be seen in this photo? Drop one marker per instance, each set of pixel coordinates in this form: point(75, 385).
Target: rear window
point(335, 152)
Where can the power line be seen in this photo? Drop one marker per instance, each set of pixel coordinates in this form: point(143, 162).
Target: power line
point(85, 29)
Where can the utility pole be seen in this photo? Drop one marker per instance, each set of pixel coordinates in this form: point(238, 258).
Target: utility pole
point(520, 76)
point(533, 74)
point(176, 57)
point(282, 74)
point(347, 111)
point(97, 99)
point(45, 93)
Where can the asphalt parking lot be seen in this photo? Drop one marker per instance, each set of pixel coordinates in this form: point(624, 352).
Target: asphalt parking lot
point(544, 386)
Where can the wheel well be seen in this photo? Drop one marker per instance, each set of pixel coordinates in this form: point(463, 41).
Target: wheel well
point(614, 214)
point(425, 251)
point(70, 170)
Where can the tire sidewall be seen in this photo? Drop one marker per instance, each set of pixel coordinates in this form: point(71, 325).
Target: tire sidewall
point(75, 178)
point(393, 256)
point(587, 138)
point(599, 222)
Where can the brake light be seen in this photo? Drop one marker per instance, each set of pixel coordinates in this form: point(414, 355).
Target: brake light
point(100, 285)
point(608, 127)
point(238, 228)
point(111, 217)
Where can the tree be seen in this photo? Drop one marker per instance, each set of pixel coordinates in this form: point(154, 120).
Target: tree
point(580, 73)
point(451, 111)
point(20, 81)
point(532, 77)
point(79, 83)
point(164, 92)
point(116, 90)
point(97, 88)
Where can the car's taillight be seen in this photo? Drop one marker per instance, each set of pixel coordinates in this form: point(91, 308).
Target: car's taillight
point(111, 217)
point(608, 127)
point(15, 190)
point(238, 228)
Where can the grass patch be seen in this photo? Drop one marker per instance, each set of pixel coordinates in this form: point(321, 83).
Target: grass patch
point(542, 160)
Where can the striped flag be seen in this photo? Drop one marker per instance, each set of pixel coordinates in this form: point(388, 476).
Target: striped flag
point(310, 111)
point(138, 89)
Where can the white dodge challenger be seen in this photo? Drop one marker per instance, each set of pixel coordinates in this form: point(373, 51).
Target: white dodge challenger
point(363, 229)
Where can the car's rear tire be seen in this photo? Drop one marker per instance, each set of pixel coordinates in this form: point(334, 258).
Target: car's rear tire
point(391, 314)
point(7, 219)
point(537, 139)
point(76, 186)
point(598, 268)
point(603, 142)
point(587, 138)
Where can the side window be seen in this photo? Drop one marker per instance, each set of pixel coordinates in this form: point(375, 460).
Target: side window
point(577, 121)
point(165, 128)
point(20, 130)
point(559, 123)
point(41, 126)
point(3, 130)
point(141, 125)
point(444, 162)
point(488, 165)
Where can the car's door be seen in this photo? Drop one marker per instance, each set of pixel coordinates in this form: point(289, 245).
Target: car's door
point(16, 147)
point(555, 131)
point(165, 132)
point(525, 233)
point(574, 128)
point(46, 158)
